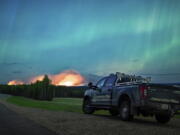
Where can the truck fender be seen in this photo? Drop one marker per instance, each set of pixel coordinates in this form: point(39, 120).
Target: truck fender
point(125, 96)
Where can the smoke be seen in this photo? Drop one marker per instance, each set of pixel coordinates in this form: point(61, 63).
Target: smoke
point(36, 78)
point(65, 78)
point(15, 82)
point(68, 78)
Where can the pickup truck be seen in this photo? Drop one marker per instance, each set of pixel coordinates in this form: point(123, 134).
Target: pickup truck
point(125, 96)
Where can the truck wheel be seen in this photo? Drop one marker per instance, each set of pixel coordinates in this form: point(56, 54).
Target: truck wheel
point(124, 111)
point(113, 112)
point(86, 106)
point(163, 118)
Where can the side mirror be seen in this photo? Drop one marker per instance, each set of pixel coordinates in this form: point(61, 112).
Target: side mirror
point(91, 86)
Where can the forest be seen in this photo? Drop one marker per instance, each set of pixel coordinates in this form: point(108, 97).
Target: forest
point(43, 90)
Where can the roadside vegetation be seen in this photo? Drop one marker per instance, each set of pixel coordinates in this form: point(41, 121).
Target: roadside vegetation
point(40, 90)
point(57, 104)
point(43, 90)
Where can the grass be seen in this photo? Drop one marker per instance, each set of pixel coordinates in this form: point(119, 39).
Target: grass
point(178, 116)
point(58, 104)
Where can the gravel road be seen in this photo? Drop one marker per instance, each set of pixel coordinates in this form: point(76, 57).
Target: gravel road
point(2, 96)
point(12, 123)
point(67, 123)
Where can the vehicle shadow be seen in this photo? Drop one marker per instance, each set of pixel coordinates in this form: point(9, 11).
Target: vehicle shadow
point(143, 121)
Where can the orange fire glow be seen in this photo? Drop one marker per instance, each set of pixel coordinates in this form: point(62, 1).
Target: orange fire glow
point(37, 78)
point(15, 82)
point(68, 78)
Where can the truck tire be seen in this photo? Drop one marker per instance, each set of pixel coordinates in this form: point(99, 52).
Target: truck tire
point(124, 111)
point(113, 112)
point(86, 106)
point(163, 118)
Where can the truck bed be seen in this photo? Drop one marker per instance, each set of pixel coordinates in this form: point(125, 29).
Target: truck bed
point(163, 96)
point(164, 93)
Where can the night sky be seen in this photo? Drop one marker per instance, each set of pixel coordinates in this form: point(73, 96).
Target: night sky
point(90, 36)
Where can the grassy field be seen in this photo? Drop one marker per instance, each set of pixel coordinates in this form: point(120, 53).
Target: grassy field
point(58, 104)
point(65, 123)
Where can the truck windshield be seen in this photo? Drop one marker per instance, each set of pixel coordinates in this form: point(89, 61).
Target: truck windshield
point(101, 82)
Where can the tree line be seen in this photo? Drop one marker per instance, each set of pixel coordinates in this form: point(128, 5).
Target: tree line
point(42, 90)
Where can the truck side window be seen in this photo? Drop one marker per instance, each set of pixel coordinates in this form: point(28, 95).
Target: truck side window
point(100, 83)
point(110, 81)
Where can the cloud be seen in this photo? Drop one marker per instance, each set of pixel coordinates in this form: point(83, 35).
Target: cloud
point(135, 60)
point(10, 63)
point(17, 72)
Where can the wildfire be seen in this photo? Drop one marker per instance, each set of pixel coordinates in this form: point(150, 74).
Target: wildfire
point(15, 82)
point(37, 78)
point(66, 78)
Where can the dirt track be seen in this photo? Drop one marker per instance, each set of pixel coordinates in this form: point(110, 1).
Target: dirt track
point(66, 123)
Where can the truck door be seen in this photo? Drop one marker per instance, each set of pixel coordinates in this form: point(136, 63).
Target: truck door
point(102, 95)
point(107, 89)
point(98, 97)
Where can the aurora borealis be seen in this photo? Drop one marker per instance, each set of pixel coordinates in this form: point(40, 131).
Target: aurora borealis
point(90, 36)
